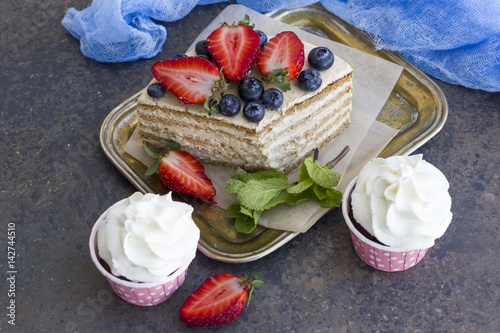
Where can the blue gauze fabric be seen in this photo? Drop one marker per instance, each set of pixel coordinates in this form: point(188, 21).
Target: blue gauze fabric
point(123, 30)
point(456, 41)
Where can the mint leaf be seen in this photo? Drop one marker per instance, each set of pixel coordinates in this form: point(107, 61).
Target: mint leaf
point(333, 199)
point(303, 172)
point(245, 219)
point(301, 186)
point(321, 174)
point(234, 185)
point(282, 83)
point(239, 174)
point(247, 211)
point(265, 189)
point(320, 192)
point(234, 211)
point(258, 193)
point(245, 226)
point(280, 198)
point(295, 199)
point(263, 175)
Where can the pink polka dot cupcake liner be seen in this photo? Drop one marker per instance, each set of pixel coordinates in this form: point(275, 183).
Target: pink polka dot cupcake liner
point(144, 294)
point(137, 293)
point(378, 256)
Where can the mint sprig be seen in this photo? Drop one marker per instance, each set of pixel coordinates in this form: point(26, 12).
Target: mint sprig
point(279, 77)
point(259, 191)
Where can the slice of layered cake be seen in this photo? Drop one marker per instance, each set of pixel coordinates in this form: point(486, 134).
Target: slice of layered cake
point(279, 136)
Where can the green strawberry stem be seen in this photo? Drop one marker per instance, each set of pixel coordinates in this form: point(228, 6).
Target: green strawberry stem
point(254, 283)
point(246, 22)
point(279, 76)
point(212, 102)
point(156, 154)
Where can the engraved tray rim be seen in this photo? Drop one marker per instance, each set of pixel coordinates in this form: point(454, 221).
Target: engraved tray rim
point(275, 238)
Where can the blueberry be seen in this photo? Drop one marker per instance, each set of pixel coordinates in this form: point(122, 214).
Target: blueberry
point(254, 111)
point(179, 55)
point(229, 105)
point(309, 79)
point(320, 58)
point(263, 37)
point(204, 56)
point(272, 98)
point(156, 90)
point(201, 48)
point(250, 89)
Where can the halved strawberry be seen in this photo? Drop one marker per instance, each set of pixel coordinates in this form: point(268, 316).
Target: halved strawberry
point(182, 173)
point(220, 299)
point(282, 59)
point(234, 48)
point(193, 80)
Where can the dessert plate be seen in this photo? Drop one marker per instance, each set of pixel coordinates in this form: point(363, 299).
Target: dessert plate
point(416, 107)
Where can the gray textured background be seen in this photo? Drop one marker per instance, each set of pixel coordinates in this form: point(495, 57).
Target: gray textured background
point(56, 181)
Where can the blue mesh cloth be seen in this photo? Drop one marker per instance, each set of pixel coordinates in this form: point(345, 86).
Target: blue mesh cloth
point(456, 41)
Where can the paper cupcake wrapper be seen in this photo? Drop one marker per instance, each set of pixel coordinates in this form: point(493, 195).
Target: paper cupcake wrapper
point(147, 296)
point(142, 294)
point(381, 257)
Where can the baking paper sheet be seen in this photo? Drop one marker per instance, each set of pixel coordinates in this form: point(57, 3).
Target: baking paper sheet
point(373, 81)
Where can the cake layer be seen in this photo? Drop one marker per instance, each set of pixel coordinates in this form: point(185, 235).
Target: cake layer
point(281, 141)
point(281, 145)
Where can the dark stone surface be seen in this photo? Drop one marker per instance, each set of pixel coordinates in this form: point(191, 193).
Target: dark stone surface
point(56, 181)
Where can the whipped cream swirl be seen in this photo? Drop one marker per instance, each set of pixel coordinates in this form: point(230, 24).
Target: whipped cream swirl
point(403, 201)
point(148, 237)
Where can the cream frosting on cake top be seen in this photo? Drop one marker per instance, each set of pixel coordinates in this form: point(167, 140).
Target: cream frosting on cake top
point(294, 96)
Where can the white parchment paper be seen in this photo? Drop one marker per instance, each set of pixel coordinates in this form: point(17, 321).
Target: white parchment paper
point(373, 81)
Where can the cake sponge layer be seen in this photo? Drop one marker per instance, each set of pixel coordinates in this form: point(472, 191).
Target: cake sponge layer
point(289, 135)
point(280, 141)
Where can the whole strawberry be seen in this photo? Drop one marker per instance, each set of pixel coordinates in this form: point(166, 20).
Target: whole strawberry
point(182, 173)
point(220, 299)
point(193, 80)
point(282, 59)
point(234, 48)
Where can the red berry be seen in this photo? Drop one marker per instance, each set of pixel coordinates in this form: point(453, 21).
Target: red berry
point(182, 173)
point(220, 299)
point(282, 58)
point(234, 48)
point(192, 79)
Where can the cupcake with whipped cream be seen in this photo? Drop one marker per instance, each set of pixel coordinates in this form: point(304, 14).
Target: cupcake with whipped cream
point(395, 209)
point(143, 245)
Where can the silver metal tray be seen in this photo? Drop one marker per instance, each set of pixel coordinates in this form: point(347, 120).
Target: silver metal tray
point(416, 107)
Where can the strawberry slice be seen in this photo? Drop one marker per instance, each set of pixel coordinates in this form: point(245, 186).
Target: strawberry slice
point(282, 59)
point(182, 173)
point(193, 80)
point(234, 48)
point(220, 299)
